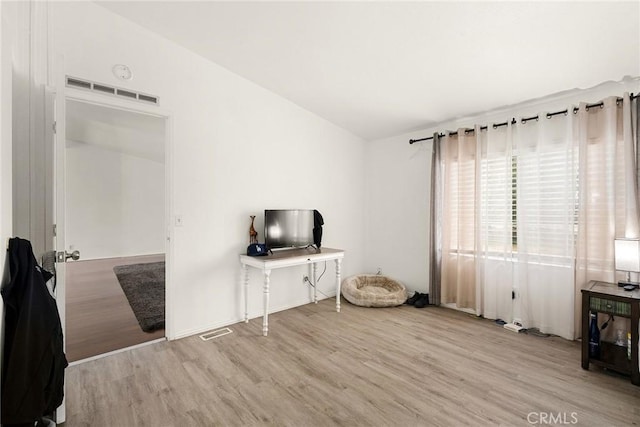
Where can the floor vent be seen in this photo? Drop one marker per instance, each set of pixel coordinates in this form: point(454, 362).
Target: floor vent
point(215, 334)
point(111, 90)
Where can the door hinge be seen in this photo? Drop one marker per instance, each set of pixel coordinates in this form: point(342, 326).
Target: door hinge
point(55, 127)
point(55, 230)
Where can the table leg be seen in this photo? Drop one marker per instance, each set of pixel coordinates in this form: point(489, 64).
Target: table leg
point(338, 262)
point(585, 330)
point(265, 318)
point(245, 278)
point(315, 282)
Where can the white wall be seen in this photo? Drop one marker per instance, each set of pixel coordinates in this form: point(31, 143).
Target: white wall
point(114, 202)
point(237, 149)
point(6, 207)
point(5, 142)
point(398, 185)
point(30, 132)
point(397, 204)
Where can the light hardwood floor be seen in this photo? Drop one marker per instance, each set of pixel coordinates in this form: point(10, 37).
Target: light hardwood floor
point(99, 318)
point(362, 367)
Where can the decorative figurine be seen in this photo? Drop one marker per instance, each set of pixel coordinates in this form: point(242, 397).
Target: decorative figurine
point(253, 234)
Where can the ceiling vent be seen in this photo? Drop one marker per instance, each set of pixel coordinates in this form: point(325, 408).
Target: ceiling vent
point(111, 90)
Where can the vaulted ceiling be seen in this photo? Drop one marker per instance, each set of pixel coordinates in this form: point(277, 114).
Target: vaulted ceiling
point(384, 68)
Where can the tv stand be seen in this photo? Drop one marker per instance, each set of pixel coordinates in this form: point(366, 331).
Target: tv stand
point(283, 259)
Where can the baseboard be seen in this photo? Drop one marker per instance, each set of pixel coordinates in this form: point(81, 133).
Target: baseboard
point(120, 350)
point(228, 323)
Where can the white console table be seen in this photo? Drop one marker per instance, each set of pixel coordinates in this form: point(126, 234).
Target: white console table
point(287, 258)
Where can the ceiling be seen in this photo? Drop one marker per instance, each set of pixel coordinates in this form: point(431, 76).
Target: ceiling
point(134, 134)
point(380, 69)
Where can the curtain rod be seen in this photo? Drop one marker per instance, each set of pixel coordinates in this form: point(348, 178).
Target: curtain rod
point(525, 120)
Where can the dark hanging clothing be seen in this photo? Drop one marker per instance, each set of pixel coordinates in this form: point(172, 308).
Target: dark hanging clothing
point(33, 359)
point(318, 222)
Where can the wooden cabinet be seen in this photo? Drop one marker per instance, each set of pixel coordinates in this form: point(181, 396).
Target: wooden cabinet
point(608, 298)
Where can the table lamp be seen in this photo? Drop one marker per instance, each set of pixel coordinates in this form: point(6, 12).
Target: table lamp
point(627, 257)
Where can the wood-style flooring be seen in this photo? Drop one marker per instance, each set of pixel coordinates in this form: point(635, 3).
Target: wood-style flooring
point(362, 367)
point(99, 318)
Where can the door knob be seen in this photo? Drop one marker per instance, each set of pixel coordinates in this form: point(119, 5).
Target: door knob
point(64, 256)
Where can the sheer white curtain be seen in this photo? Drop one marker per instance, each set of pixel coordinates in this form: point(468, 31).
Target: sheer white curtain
point(496, 238)
point(608, 197)
point(477, 221)
point(546, 200)
point(460, 193)
point(535, 207)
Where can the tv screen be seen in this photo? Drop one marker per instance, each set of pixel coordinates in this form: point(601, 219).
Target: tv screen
point(288, 228)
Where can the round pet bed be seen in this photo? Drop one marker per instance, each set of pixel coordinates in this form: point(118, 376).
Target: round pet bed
point(373, 290)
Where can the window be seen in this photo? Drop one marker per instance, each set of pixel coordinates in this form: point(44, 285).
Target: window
point(522, 193)
point(498, 187)
point(529, 202)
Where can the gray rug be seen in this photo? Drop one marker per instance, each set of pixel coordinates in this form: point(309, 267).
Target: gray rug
point(143, 284)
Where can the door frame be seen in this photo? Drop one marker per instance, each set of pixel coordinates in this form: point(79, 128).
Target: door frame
point(65, 94)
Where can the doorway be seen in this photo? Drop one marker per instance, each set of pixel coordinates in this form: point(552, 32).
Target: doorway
point(114, 213)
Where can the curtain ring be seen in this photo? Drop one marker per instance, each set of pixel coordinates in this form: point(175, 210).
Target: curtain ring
point(549, 116)
point(494, 126)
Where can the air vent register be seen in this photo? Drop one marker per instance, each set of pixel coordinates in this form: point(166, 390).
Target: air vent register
point(111, 90)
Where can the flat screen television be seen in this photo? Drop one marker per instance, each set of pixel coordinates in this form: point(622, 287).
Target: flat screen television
point(288, 228)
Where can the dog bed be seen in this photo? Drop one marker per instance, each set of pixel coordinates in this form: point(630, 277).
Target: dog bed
point(373, 290)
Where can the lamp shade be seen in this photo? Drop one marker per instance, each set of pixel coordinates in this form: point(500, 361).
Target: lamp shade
point(627, 254)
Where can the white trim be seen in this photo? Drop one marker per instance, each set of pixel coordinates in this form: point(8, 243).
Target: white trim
point(72, 94)
point(256, 315)
point(120, 350)
point(169, 162)
point(106, 100)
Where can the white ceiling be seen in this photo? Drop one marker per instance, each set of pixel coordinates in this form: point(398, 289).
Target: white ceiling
point(383, 68)
point(126, 132)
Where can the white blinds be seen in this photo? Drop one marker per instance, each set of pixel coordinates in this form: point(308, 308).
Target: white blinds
point(529, 191)
point(497, 188)
point(546, 190)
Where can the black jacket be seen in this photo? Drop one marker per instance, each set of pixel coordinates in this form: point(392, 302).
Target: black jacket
point(33, 359)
